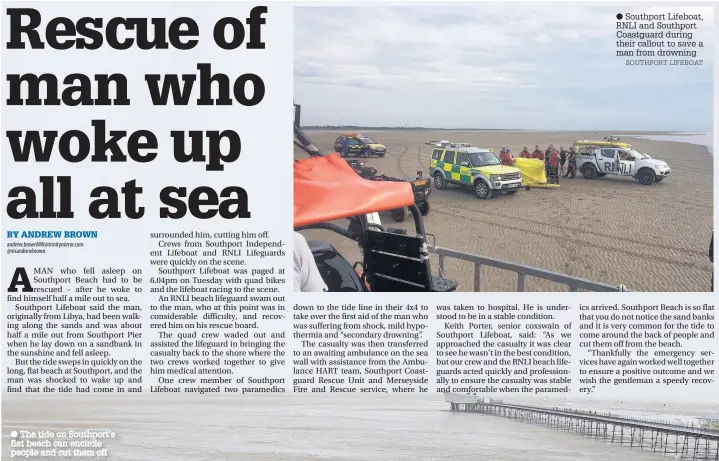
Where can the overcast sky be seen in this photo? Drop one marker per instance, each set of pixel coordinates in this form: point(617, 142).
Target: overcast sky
point(490, 66)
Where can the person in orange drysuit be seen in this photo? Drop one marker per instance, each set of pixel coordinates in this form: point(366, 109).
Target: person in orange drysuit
point(525, 153)
point(506, 157)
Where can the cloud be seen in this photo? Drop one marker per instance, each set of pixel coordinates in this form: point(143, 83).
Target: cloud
point(491, 66)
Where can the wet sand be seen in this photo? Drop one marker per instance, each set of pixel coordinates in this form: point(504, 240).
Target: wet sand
point(612, 230)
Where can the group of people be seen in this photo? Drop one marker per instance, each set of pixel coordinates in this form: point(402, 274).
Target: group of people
point(554, 160)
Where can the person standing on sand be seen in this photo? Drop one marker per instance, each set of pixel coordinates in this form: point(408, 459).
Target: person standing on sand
point(547, 169)
point(537, 153)
point(548, 151)
point(572, 166)
point(525, 153)
point(506, 157)
point(553, 167)
point(562, 160)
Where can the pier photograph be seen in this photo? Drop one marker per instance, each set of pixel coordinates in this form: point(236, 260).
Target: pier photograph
point(429, 427)
point(537, 159)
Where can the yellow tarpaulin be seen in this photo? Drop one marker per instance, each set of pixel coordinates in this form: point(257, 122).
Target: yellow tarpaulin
point(533, 173)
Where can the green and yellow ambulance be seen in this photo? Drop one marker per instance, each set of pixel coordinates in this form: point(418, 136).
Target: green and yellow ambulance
point(475, 167)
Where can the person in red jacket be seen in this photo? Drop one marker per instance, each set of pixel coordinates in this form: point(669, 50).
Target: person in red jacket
point(538, 154)
point(525, 153)
point(554, 167)
point(506, 157)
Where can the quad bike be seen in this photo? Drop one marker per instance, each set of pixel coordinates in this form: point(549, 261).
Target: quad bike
point(420, 191)
point(327, 189)
point(420, 187)
point(362, 168)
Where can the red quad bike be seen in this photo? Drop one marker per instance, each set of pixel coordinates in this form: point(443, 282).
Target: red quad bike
point(327, 189)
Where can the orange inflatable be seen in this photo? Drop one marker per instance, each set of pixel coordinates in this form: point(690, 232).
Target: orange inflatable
point(327, 188)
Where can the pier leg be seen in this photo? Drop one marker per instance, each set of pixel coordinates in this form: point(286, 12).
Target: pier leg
point(706, 449)
point(656, 440)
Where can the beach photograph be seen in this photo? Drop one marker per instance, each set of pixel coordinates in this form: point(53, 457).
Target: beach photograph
point(538, 159)
point(366, 427)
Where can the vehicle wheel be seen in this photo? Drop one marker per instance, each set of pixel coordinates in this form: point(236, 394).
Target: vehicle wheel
point(482, 190)
point(398, 214)
point(366, 153)
point(589, 172)
point(646, 177)
point(439, 181)
point(424, 208)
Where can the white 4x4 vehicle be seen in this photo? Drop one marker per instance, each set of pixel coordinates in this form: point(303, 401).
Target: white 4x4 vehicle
point(600, 158)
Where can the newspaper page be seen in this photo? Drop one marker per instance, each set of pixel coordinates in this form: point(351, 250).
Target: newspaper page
point(183, 283)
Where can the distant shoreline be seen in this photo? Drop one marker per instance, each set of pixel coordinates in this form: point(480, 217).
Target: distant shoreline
point(508, 130)
point(660, 136)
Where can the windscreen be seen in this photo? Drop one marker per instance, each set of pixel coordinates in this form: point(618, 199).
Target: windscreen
point(636, 154)
point(483, 159)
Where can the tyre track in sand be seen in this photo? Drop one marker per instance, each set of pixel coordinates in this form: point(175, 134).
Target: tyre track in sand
point(486, 220)
point(400, 151)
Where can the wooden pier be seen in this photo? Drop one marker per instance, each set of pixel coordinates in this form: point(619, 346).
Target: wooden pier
point(679, 440)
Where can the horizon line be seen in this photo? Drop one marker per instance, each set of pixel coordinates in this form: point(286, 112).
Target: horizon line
point(424, 128)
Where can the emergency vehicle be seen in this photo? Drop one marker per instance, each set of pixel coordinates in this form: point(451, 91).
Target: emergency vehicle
point(476, 167)
point(359, 144)
point(596, 159)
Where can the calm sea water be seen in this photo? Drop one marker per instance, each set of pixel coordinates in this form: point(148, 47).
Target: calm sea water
point(303, 428)
point(705, 139)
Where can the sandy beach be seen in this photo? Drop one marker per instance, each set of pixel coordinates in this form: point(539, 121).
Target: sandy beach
point(612, 230)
